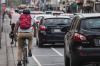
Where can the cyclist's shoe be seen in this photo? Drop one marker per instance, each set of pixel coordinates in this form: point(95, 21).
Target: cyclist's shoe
point(19, 64)
point(30, 53)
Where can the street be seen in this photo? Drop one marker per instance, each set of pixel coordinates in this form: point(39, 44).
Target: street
point(49, 55)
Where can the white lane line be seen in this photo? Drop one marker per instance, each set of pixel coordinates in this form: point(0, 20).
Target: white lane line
point(46, 55)
point(33, 56)
point(57, 51)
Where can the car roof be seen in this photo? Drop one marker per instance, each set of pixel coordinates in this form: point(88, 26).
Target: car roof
point(87, 15)
point(56, 17)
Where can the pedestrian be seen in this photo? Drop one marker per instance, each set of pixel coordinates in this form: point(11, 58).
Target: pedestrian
point(74, 7)
point(24, 27)
point(4, 12)
point(14, 16)
point(10, 16)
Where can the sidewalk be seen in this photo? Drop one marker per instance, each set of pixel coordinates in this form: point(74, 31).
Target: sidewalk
point(6, 54)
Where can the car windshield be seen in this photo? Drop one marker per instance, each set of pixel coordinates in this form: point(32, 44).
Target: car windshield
point(91, 23)
point(57, 21)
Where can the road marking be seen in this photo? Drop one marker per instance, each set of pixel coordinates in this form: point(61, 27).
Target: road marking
point(33, 56)
point(57, 51)
point(46, 55)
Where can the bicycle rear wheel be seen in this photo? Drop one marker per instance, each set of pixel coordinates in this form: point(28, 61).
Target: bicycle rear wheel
point(25, 57)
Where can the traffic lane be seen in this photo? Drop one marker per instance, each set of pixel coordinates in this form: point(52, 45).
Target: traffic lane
point(47, 57)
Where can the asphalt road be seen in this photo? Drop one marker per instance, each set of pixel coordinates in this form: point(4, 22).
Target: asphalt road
point(49, 55)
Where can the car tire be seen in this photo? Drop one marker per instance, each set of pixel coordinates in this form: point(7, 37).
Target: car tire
point(36, 41)
point(66, 59)
point(74, 60)
point(40, 44)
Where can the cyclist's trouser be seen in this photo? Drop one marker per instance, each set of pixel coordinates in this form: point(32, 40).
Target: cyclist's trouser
point(29, 36)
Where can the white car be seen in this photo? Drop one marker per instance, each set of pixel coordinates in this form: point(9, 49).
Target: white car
point(38, 17)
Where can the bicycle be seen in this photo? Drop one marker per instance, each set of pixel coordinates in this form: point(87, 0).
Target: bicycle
point(24, 58)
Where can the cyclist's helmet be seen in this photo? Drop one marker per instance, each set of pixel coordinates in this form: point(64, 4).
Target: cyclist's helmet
point(26, 11)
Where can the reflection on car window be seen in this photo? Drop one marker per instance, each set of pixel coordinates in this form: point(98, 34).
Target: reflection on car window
point(59, 21)
point(91, 23)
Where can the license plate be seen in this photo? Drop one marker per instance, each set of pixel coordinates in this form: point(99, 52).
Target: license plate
point(57, 30)
point(97, 42)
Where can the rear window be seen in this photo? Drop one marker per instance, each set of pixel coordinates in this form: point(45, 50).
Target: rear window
point(48, 12)
point(57, 13)
point(60, 21)
point(91, 23)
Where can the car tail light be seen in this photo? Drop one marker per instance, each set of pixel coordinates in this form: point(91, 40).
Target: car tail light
point(79, 37)
point(37, 22)
point(42, 27)
point(81, 52)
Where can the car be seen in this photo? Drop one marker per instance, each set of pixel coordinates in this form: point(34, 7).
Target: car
point(82, 41)
point(37, 19)
point(52, 29)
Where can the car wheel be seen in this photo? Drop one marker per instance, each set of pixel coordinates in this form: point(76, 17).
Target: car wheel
point(40, 44)
point(36, 41)
point(66, 59)
point(74, 60)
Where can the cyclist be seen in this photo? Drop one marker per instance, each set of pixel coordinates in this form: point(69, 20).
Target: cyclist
point(24, 33)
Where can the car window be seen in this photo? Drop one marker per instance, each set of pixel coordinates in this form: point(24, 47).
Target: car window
point(54, 21)
point(39, 18)
point(73, 23)
point(48, 12)
point(57, 13)
point(91, 23)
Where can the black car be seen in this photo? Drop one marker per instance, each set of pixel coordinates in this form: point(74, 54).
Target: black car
point(82, 42)
point(52, 29)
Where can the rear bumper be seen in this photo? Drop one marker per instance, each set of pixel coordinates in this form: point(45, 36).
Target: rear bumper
point(48, 38)
point(89, 54)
